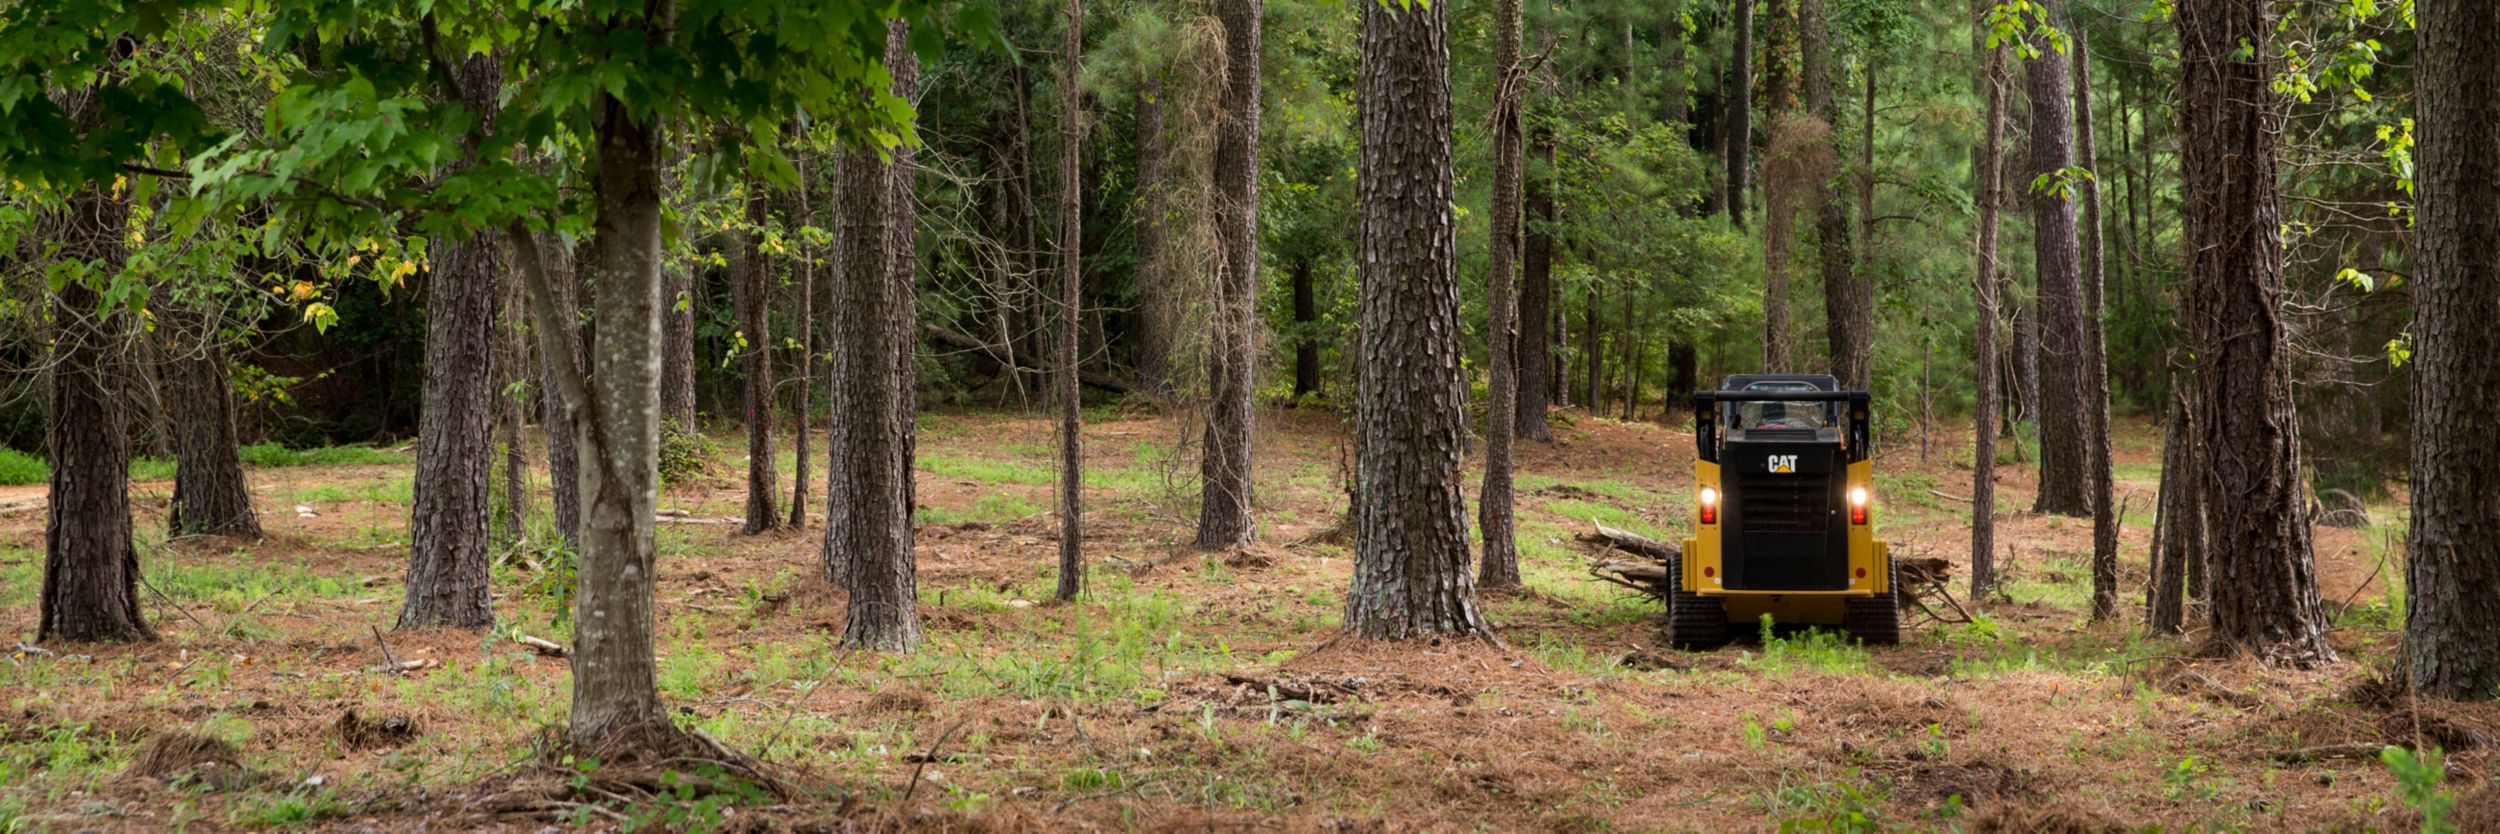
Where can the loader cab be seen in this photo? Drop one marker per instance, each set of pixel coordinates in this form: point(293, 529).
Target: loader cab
point(1783, 484)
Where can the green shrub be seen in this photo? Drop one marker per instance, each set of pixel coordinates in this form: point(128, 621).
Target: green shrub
point(684, 454)
point(18, 468)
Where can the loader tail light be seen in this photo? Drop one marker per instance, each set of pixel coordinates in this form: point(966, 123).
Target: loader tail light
point(1857, 505)
point(1709, 505)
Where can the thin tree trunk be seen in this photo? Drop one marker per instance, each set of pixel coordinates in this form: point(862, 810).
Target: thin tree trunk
point(805, 372)
point(448, 527)
point(2264, 587)
point(511, 411)
point(2095, 358)
point(1849, 308)
point(868, 483)
point(1157, 332)
point(2455, 552)
point(211, 496)
point(1071, 311)
point(1225, 515)
point(1500, 568)
point(1593, 347)
point(90, 568)
point(2179, 529)
point(564, 470)
point(1738, 146)
point(1633, 347)
point(751, 289)
point(1539, 361)
point(1410, 563)
point(1983, 490)
point(2065, 423)
point(1306, 364)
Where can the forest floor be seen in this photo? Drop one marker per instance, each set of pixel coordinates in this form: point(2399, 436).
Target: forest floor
point(1192, 691)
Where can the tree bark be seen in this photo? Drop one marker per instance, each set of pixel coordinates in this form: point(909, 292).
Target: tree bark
point(1410, 563)
point(805, 370)
point(1225, 514)
point(1500, 568)
point(1737, 146)
point(2065, 470)
point(1848, 303)
point(1071, 310)
point(2455, 549)
point(211, 496)
point(90, 568)
point(1593, 346)
point(1983, 490)
point(2179, 528)
point(2264, 588)
point(2095, 357)
point(1540, 375)
point(449, 521)
point(677, 397)
point(868, 482)
point(564, 469)
point(1157, 333)
point(514, 365)
point(751, 289)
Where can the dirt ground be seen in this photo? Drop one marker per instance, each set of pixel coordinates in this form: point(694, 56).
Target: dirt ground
point(1192, 691)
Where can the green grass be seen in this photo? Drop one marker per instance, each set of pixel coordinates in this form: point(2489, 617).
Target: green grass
point(19, 468)
point(151, 469)
point(985, 470)
point(991, 509)
point(272, 455)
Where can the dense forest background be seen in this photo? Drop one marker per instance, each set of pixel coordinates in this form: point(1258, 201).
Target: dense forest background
point(1646, 281)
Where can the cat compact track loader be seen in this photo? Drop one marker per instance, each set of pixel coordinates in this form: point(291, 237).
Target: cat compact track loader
point(1783, 519)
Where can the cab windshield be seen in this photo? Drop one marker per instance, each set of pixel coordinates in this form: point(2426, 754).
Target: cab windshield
point(1793, 415)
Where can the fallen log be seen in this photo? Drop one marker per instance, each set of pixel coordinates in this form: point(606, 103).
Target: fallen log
point(952, 340)
point(1628, 542)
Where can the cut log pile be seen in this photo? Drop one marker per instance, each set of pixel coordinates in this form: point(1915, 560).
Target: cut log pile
point(1631, 560)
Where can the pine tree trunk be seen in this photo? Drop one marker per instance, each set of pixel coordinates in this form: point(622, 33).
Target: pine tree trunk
point(1983, 490)
point(1501, 548)
point(1071, 310)
point(449, 520)
point(2264, 587)
point(1539, 363)
point(751, 289)
point(1593, 347)
point(564, 469)
point(1306, 364)
point(805, 371)
point(2104, 493)
point(90, 568)
point(211, 496)
point(2455, 551)
point(1411, 561)
point(2065, 469)
point(1225, 514)
point(677, 396)
point(509, 410)
point(1849, 306)
point(1738, 144)
point(2179, 530)
point(1157, 334)
point(868, 482)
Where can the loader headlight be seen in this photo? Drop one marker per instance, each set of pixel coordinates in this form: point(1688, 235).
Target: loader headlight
point(1709, 505)
point(1857, 505)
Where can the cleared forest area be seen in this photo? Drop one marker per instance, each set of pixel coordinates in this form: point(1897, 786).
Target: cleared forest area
point(1192, 691)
